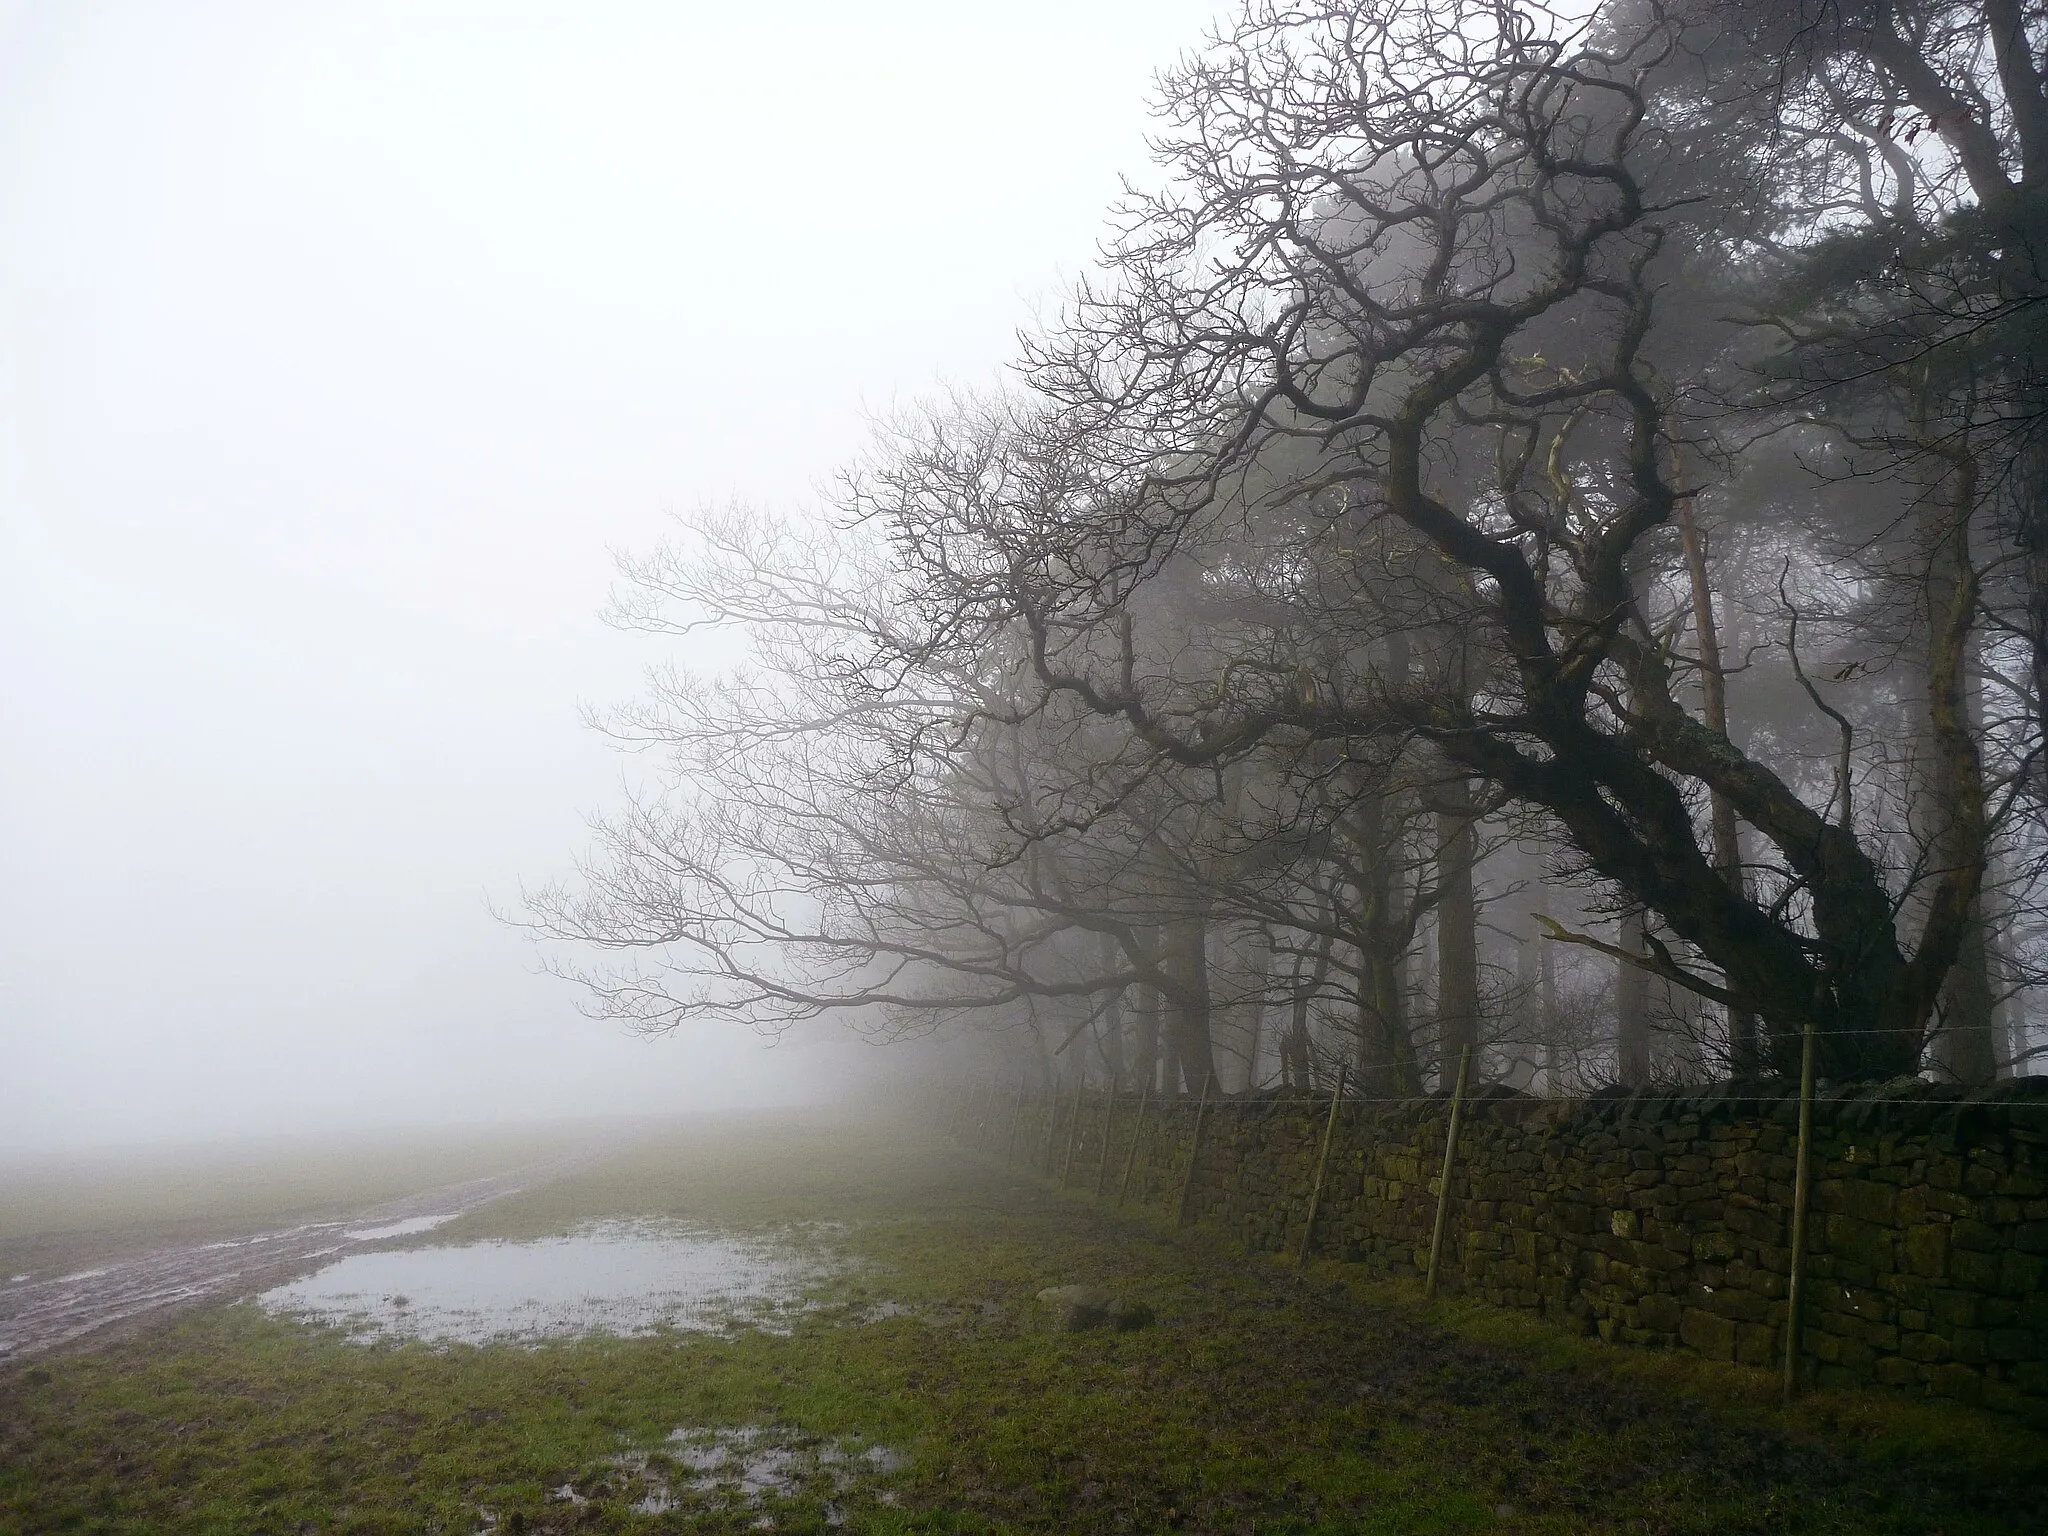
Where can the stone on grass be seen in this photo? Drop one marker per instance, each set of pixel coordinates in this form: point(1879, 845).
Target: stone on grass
point(1079, 1307)
point(1126, 1315)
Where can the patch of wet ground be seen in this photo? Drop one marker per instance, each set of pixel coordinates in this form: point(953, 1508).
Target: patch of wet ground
point(623, 1278)
point(40, 1313)
point(756, 1469)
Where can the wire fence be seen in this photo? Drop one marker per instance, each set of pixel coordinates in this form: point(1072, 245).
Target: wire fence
point(1057, 1129)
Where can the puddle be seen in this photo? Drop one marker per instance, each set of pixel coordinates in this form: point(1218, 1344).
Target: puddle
point(622, 1278)
point(745, 1468)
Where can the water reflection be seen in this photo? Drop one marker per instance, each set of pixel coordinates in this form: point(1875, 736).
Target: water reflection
point(616, 1277)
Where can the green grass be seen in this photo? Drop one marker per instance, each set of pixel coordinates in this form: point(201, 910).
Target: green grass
point(1260, 1402)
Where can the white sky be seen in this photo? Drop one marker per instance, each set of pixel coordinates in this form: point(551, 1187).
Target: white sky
point(339, 344)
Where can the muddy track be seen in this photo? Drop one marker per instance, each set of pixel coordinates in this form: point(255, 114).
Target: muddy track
point(121, 1293)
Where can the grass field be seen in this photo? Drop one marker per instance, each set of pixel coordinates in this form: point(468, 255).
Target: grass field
point(1258, 1402)
point(59, 1213)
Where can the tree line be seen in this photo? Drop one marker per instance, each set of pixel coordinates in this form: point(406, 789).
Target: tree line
point(1533, 538)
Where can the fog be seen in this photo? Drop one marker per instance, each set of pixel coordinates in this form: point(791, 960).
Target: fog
point(339, 347)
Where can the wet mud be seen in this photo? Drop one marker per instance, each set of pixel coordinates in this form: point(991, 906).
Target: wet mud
point(748, 1469)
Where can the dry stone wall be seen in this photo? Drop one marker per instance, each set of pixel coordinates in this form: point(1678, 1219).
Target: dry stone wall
point(1659, 1220)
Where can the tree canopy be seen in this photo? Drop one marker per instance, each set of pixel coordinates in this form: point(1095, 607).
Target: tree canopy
point(1529, 540)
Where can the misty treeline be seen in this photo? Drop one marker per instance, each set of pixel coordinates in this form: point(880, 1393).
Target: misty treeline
point(1534, 537)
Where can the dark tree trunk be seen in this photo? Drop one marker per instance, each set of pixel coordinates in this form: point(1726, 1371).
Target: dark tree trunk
point(1186, 957)
point(1553, 1026)
point(1631, 1008)
point(1145, 1038)
point(1965, 1046)
point(1457, 927)
point(1386, 1062)
point(1743, 1058)
point(1295, 1051)
point(1113, 1019)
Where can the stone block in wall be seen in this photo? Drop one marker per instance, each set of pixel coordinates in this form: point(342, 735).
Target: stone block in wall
point(1659, 1312)
point(2021, 1274)
point(1959, 1382)
point(1978, 1271)
point(1655, 1256)
point(1855, 1272)
point(2000, 1210)
point(1740, 1306)
point(1909, 1291)
point(1870, 1201)
point(1710, 1335)
point(1954, 1309)
point(1974, 1236)
point(1756, 1343)
point(1754, 1221)
point(1860, 1242)
point(2012, 1344)
point(1943, 1202)
point(1703, 1214)
point(1714, 1247)
point(1927, 1348)
point(1671, 1230)
point(1926, 1250)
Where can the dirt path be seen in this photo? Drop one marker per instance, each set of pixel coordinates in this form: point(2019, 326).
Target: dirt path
point(39, 1315)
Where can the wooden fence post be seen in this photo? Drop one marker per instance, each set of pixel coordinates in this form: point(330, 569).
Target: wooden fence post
point(1137, 1134)
point(1074, 1127)
point(1315, 1194)
point(1443, 1192)
point(1108, 1125)
point(1802, 1195)
point(1187, 1183)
